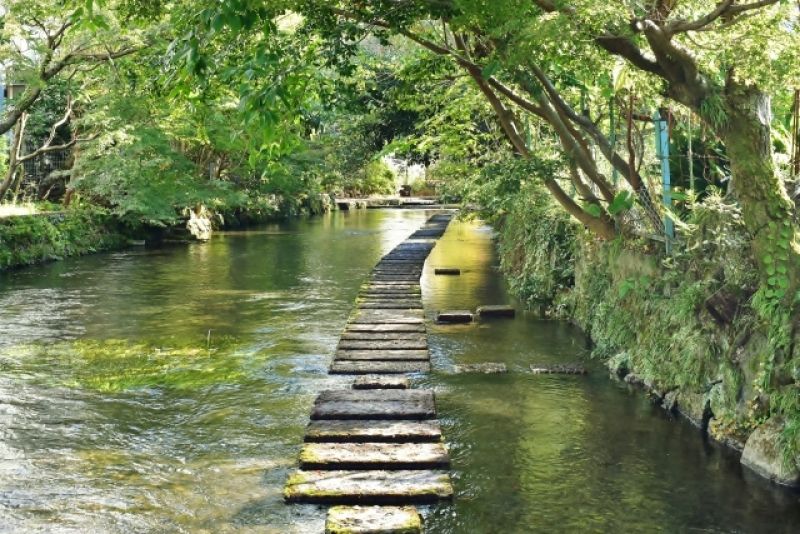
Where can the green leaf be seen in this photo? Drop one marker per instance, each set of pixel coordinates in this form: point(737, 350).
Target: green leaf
point(623, 201)
point(490, 69)
point(594, 210)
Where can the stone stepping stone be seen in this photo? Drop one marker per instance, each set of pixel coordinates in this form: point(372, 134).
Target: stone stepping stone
point(454, 316)
point(373, 520)
point(355, 367)
point(374, 456)
point(397, 409)
point(393, 285)
point(388, 317)
point(365, 327)
point(368, 487)
point(382, 355)
point(390, 304)
point(447, 271)
point(354, 395)
point(484, 368)
point(559, 369)
point(388, 294)
point(377, 431)
point(383, 344)
point(496, 310)
point(395, 278)
point(378, 336)
point(380, 382)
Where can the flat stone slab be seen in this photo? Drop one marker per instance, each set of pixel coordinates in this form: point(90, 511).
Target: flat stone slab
point(388, 316)
point(423, 395)
point(484, 368)
point(413, 404)
point(380, 382)
point(558, 369)
point(355, 367)
point(376, 336)
point(496, 310)
point(373, 520)
point(454, 316)
point(393, 285)
point(365, 327)
point(384, 344)
point(447, 271)
point(368, 487)
point(373, 431)
point(374, 456)
point(385, 355)
point(390, 304)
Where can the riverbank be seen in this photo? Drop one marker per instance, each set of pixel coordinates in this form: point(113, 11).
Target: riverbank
point(683, 326)
point(42, 237)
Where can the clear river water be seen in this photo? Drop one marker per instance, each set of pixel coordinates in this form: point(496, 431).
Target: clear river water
point(167, 390)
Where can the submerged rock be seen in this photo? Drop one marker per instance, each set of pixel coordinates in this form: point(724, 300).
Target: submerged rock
point(485, 368)
point(559, 369)
point(763, 455)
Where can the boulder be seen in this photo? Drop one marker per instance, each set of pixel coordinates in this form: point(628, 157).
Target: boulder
point(763, 455)
point(694, 407)
point(199, 226)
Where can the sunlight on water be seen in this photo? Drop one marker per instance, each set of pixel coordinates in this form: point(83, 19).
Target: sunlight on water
point(167, 391)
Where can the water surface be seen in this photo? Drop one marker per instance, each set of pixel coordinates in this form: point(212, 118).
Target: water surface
point(167, 391)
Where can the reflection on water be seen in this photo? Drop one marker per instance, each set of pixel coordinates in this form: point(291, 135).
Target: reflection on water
point(167, 391)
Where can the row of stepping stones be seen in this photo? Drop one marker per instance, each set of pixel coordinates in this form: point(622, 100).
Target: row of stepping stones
point(376, 449)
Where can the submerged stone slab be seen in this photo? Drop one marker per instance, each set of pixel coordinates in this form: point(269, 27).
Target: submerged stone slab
point(447, 271)
point(366, 327)
point(380, 382)
point(454, 316)
point(386, 354)
point(496, 310)
point(355, 367)
point(384, 344)
point(558, 369)
point(484, 368)
point(373, 430)
point(368, 487)
point(374, 456)
point(373, 520)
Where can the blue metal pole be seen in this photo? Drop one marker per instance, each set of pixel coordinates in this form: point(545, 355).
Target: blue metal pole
point(662, 151)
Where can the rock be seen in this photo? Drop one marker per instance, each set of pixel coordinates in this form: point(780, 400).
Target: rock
point(380, 382)
point(694, 407)
point(373, 520)
point(496, 310)
point(558, 369)
point(485, 368)
point(763, 455)
point(351, 367)
point(454, 316)
point(369, 486)
point(670, 401)
point(199, 226)
point(633, 379)
point(619, 364)
point(373, 430)
point(391, 456)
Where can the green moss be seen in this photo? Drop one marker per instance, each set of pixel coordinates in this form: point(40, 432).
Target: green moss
point(118, 365)
point(652, 314)
point(25, 240)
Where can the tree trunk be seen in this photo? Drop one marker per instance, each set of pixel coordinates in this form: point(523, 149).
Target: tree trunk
point(767, 210)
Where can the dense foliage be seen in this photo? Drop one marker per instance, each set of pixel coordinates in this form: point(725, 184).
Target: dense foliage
point(540, 114)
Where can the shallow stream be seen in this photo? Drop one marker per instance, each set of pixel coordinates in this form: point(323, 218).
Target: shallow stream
point(167, 391)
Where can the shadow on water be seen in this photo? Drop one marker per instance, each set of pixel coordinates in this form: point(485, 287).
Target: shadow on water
point(167, 391)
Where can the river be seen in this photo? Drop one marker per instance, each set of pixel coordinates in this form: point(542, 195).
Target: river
point(167, 390)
